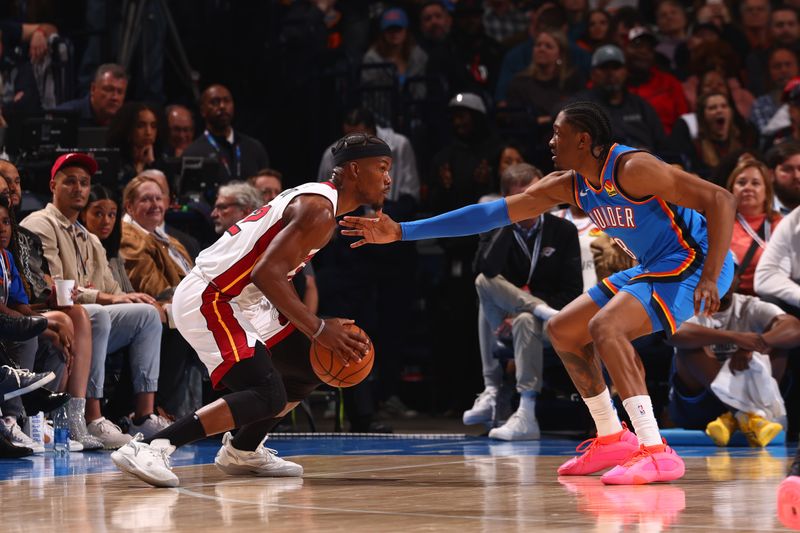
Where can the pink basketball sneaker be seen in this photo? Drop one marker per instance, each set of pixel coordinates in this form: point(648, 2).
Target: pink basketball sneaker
point(648, 464)
point(789, 502)
point(600, 453)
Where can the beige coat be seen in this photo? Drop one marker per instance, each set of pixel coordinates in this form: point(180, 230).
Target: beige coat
point(73, 253)
point(147, 260)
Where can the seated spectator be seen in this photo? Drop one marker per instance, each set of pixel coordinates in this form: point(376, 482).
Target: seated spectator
point(180, 124)
point(719, 134)
point(136, 130)
point(503, 22)
point(51, 351)
point(26, 248)
point(751, 184)
point(598, 31)
point(587, 233)
point(672, 24)
point(461, 169)
point(777, 276)
point(154, 261)
point(634, 122)
point(715, 77)
point(548, 16)
point(239, 155)
point(101, 217)
point(782, 66)
point(527, 272)
point(546, 83)
point(743, 327)
point(105, 98)
point(118, 319)
point(234, 201)
point(175, 394)
point(191, 244)
point(269, 182)
point(394, 44)
point(660, 89)
point(784, 162)
point(783, 32)
point(28, 84)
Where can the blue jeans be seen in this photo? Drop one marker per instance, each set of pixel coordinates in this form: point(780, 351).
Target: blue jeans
point(135, 326)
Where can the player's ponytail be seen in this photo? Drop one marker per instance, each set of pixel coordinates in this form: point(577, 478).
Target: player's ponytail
point(590, 117)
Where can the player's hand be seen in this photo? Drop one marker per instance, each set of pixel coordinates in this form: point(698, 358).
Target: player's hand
point(706, 297)
point(740, 360)
point(347, 344)
point(379, 230)
point(753, 342)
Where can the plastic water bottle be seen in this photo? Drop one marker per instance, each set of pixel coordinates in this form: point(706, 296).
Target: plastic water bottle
point(61, 432)
point(37, 427)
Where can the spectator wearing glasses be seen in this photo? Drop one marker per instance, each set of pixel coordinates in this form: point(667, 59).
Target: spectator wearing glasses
point(234, 201)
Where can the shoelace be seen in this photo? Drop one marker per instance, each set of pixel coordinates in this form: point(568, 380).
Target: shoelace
point(639, 454)
point(139, 446)
point(588, 446)
point(106, 426)
point(18, 434)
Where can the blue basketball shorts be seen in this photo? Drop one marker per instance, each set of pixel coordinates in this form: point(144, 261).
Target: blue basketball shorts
point(665, 288)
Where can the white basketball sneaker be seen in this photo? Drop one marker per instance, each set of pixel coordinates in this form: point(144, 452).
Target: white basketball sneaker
point(148, 462)
point(483, 409)
point(262, 462)
point(522, 425)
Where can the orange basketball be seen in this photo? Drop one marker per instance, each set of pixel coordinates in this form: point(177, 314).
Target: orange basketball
point(330, 368)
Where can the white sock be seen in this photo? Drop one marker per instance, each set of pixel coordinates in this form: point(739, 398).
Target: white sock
point(640, 411)
point(493, 389)
point(527, 402)
point(604, 414)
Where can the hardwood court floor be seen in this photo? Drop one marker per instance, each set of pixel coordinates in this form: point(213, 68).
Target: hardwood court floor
point(376, 493)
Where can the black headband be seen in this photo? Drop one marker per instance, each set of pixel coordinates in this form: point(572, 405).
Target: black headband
point(360, 151)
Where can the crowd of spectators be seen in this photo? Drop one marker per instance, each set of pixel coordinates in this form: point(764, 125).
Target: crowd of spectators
point(465, 94)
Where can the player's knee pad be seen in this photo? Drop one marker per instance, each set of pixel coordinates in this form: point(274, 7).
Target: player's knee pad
point(264, 400)
point(298, 390)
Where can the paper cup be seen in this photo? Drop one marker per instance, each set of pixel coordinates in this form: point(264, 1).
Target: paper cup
point(64, 292)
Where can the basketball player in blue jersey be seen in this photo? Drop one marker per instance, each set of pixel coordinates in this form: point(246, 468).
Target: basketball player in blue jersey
point(653, 211)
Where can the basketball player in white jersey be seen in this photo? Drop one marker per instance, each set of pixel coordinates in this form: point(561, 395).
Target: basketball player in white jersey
point(266, 367)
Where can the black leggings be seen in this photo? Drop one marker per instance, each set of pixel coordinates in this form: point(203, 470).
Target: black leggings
point(263, 385)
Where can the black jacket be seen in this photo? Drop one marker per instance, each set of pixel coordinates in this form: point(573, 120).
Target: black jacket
point(254, 156)
point(557, 278)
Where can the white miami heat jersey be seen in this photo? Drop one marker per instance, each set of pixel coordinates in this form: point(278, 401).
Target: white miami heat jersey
point(227, 264)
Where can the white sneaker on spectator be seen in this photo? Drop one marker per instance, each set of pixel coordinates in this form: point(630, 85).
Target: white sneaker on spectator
point(109, 433)
point(148, 462)
point(74, 446)
point(262, 462)
point(152, 425)
point(395, 408)
point(522, 425)
point(11, 430)
point(482, 411)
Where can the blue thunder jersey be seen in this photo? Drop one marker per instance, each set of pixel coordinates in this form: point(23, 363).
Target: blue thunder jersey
point(649, 229)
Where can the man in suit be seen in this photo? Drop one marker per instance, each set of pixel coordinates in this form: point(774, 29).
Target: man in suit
point(527, 271)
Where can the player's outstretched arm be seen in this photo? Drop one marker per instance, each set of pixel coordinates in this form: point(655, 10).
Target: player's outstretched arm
point(551, 190)
point(642, 175)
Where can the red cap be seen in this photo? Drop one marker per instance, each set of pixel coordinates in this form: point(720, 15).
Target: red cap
point(85, 161)
point(791, 90)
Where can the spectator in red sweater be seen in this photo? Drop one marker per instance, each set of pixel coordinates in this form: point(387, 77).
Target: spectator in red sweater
point(660, 89)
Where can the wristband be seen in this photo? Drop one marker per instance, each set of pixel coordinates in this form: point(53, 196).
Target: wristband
point(319, 330)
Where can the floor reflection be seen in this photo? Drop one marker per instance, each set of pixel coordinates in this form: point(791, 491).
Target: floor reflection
point(653, 507)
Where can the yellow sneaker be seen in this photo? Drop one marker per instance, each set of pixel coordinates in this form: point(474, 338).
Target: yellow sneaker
point(721, 429)
point(759, 431)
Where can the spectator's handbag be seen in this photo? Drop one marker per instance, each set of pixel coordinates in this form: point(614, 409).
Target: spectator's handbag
point(748, 256)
